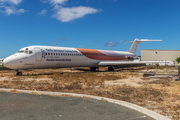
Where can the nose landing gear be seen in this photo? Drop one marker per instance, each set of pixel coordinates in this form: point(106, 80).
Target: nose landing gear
point(19, 73)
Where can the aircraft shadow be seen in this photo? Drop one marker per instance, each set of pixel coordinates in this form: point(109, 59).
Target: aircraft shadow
point(87, 70)
point(38, 74)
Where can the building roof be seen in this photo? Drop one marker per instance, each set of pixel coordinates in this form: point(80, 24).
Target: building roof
point(158, 50)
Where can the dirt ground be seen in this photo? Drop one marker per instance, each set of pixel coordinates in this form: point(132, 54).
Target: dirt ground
point(160, 93)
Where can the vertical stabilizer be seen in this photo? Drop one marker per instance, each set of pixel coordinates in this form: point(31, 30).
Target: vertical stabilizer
point(136, 43)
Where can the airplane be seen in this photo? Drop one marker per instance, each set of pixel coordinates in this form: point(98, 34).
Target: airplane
point(42, 57)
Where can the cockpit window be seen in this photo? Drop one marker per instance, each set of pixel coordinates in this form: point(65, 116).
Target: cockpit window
point(21, 51)
point(30, 52)
point(26, 51)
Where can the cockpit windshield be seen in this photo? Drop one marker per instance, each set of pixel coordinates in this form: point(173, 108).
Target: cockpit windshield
point(21, 51)
point(25, 51)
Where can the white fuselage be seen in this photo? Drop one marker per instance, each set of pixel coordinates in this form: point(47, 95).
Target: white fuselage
point(40, 57)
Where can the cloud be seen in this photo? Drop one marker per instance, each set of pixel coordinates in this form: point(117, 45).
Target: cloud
point(15, 2)
point(57, 1)
point(44, 1)
point(112, 0)
point(69, 14)
point(11, 10)
point(63, 39)
point(54, 2)
point(9, 7)
point(96, 41)
point(113, 44)
point(43, 12)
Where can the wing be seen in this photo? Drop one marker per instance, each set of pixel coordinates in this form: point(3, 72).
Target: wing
point(121, 64)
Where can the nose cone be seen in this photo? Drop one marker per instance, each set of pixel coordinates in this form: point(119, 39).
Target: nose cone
point(7, 62)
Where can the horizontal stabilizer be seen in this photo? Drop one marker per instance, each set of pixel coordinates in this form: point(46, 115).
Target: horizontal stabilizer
point(136, 43)
point(143, 40)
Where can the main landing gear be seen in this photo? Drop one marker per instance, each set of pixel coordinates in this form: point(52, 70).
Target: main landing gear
point(19, 72)
point(110, 68)
point(93, 69)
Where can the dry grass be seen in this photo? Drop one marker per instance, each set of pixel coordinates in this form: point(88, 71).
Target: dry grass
point(65, 95)
point(161, 95)
point(159, 67)
point(34, 93)
point(14, 91)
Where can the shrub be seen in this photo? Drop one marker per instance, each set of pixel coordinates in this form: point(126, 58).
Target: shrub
point(178, 59)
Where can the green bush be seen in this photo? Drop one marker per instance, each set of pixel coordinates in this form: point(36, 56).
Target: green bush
point(157, 64)
point(178, 59)
point(1, 66)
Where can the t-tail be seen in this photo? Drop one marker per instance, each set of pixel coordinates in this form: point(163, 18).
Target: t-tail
point(136, 43)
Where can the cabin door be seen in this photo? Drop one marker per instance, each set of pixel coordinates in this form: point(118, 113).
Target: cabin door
point(38, 54)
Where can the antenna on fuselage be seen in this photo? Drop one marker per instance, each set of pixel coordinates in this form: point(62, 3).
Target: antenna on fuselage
point(56, 45)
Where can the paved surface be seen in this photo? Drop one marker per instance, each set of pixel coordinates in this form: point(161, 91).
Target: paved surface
point(147, 74)
point(21, 106)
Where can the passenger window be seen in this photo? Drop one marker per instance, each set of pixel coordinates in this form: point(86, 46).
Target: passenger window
point(48, 53)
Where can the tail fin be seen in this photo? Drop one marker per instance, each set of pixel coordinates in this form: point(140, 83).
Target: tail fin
point(136, 43)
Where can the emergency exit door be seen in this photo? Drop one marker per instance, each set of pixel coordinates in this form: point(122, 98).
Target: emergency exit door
point(38, 54)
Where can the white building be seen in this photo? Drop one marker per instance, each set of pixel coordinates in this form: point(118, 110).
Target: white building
point(156, 55)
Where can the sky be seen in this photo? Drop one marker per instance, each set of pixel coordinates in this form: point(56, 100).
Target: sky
point(92, 24)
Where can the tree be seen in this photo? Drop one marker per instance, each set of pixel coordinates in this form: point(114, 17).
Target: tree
point(178, 59)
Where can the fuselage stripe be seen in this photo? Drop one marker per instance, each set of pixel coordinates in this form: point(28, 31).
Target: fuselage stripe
point(98, 55)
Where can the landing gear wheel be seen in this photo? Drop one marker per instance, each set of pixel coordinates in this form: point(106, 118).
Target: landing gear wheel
point(93, 69)
point(110, 68)
point(19, 74)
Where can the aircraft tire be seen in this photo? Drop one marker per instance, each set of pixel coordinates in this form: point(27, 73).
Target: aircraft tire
point(19, 74)
point(110, 68)
point(93, 69)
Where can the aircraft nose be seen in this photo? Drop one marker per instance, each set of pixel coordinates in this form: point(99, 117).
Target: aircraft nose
point(7, 63)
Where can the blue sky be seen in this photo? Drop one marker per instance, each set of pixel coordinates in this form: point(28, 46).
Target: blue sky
point(93, 24)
